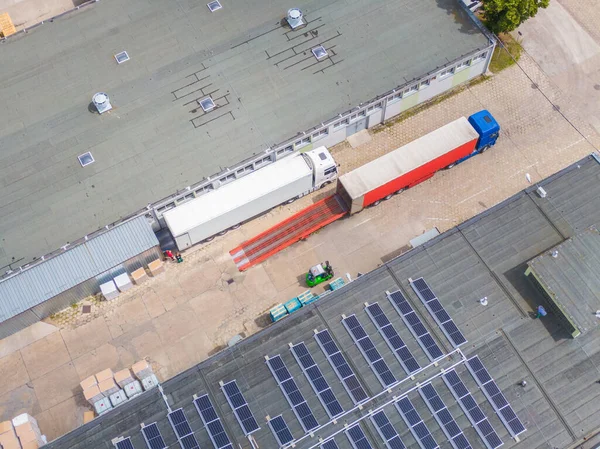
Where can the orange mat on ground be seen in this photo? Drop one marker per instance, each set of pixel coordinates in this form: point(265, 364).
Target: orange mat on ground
point(289, 231)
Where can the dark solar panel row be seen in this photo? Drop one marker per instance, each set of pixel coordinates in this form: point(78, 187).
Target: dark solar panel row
point(153, 438)
point(212, 422)
point(329, 444)
point(182, 429)
point(341, 367)
point(391, 337)
point(438, 312)
point(504, 410)
point(281, 430)
point(357, 437)
point(124, 444)
point(316, 380)
point(292, 393)
point(240, 407)
point(472, 410)
point(387, 431)
point(415, 423)
point(415, 325)
point(369, 351)
point(444, 417)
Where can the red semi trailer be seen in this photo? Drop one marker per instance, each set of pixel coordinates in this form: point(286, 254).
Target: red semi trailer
point(378, 180)
point(407, 166)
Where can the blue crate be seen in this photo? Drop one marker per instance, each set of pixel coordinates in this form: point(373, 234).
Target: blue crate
point(336, 283)
point(278, 312)
point(292, 305)
point(307, 297)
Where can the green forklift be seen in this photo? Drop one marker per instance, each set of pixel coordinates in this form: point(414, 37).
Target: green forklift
point(319, 273)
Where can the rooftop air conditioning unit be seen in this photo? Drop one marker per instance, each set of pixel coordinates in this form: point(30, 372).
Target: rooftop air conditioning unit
point(101, 102)
point(541, 192)
point(294, 18)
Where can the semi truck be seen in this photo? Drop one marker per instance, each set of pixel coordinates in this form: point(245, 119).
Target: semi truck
point(376, 181)
point(217, 211)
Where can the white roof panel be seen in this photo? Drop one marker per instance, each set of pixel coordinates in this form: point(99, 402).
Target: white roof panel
point(230, 196)
point(408, 157)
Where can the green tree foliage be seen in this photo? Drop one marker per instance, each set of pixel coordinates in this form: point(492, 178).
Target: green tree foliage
point(502, 16)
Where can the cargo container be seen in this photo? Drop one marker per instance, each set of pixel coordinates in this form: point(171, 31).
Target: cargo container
point(230, 205)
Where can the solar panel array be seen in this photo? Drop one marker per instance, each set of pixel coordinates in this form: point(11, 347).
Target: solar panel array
point(124, 444)
point(472, 410)
point(357, 437)
point(240, 407)
point(329, 444)
point(212, 423)
point(369, 351)
point(341, 367)
point(153, 438)
point(415, 423)
point(182, 429)
point(387, 431)
point(391, 337)
point(292, 393)
point(442, 415)
point(438, 312)
point(316, 380)
point(495, 396)
point(281, 430)
point(415, 325)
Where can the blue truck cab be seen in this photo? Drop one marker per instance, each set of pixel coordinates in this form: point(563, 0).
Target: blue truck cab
point(487, 127)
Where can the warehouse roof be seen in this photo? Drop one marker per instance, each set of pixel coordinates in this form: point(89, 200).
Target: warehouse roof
point(46, 279)
point(264, 80)
point(570, 272)
point(484, 257)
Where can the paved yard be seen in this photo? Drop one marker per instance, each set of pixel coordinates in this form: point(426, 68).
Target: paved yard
point(181, 317)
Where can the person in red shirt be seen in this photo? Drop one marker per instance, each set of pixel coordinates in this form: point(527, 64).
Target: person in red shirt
point(169, 254)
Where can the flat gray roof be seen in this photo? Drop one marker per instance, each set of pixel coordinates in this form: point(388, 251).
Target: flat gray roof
point(485, 256)
point(573, 277)
point(264, 79)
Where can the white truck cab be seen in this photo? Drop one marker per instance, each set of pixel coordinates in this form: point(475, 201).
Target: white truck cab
point(323, 166)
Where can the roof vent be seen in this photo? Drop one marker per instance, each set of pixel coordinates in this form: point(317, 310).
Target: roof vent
point(294, 18)
point(101, 102)
point(541, 192)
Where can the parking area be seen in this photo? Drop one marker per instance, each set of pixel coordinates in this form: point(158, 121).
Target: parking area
point(184, 315)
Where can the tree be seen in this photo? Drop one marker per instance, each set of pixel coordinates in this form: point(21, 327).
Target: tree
point(502, 16)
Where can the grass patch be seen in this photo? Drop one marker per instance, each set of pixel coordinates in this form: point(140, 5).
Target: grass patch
point(502, 59)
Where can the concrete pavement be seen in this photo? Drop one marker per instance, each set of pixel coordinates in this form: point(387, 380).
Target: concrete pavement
point(191, 311)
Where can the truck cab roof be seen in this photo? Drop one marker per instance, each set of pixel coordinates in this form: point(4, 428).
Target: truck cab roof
point(484, 123)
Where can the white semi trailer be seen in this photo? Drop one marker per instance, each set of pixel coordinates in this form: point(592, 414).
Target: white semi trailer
point(230, 205)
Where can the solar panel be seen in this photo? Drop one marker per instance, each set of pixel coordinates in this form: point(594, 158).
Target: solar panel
point(293, 395)
point(124, 444)
point(391, 337)
point(438, 312)
point(415, 423)
point(212, 422)
point(280, 430)
point(415, 325)
point(341, 367)
point(369, 351)
point(153, 438)
point(240, 407)
point(182, 429)
point(387, 431)
point(495, 397)
point(443, 417)
point(329, 444)
point(357, 437)
point(472, 410)
point(316, 380)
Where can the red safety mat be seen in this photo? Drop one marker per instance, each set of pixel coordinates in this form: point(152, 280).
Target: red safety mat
point(289, 231)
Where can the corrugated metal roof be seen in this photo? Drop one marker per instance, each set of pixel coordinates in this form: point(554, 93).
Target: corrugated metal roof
point(47, 279)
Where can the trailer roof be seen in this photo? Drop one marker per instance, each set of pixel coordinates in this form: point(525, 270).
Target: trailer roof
point(267, 88)
point(231, 196)
point(408, 157)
